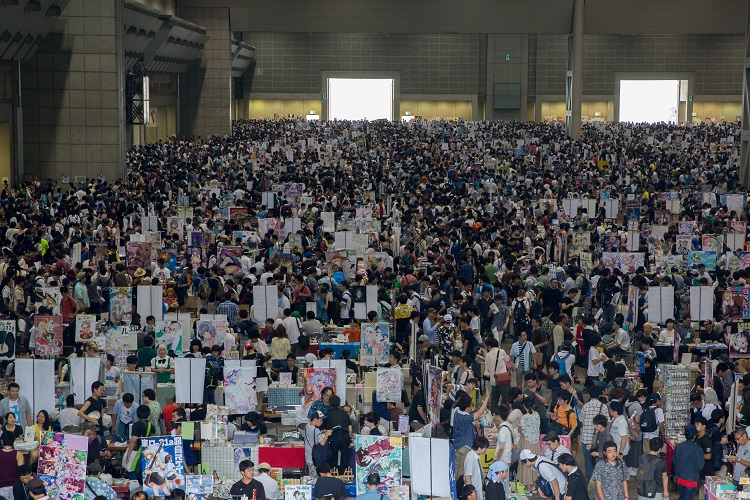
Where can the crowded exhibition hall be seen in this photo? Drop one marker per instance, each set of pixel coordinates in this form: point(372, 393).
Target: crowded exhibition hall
point(382, 250)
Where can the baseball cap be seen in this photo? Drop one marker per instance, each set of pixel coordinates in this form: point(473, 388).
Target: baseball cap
point(264, 465)
point(373, 479)
point(318, 414)
point(690, 430)
point(448, 317)
point(526, 455)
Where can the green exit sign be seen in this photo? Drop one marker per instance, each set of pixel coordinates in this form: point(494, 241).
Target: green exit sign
point(690, 97)
point(323, 96)
point(507, 57)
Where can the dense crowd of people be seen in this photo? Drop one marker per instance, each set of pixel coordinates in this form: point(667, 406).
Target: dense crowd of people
point(493, 241)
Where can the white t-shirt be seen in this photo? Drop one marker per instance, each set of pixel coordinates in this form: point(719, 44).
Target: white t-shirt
point(618, 429)
point(595, 369)
point(111, 375)
point(659, 413)
point(505, 437)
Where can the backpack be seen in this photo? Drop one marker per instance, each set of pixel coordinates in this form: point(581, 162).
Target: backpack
point(519, 312)
point(647, 482)
point(213, 374)
point(633, 428)
point(577, 430)
point(648, 420)
point(717, 454)
point(321, 453)
point(219, 290)
point(204, 290)
point(544, 486)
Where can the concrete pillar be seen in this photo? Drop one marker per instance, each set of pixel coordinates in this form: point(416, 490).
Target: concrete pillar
point(745, 135)
point(206, 89)
point(574, 87)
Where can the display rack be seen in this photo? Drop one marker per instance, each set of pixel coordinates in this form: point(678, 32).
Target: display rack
point(674, 383)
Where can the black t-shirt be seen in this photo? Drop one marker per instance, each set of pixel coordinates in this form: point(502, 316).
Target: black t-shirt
point(253, 490)
point(326, 485)
point(294, 371)
point(95, 447)
point(96, 405)
point(258, 429)
point(469, 335)
point(339, 419)
point(140, 429)
point(577, 487)
point(707, 446)
point(416, 402)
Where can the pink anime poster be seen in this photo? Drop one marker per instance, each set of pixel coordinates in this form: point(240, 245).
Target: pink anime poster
point(317, 379)
point(137, 254)
point(375, 344)
point(48, 335)
point(62, 465)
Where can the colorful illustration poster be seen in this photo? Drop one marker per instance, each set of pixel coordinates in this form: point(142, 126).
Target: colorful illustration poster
point(137, 255)
point(744, 259)
point(174, 226)
point(120, 305)
point(230, 259)
point(7, 339)
point(62, 465)
point(237, 213)
point(375, 344)
point(317, 379)
point(48, 335)
point(244, 453)
point(686, 227)
point(378, 455)
point(736, 226)
point(627, 262)
point(196, 256)
point(581, 242)
point(170, 333)
point(434, 392)
point(734, 303)
point(85, 327)
point(163, 466)
point(611, 242)
point(121, 338)
point(211, 332)
point(48, 296)
point(707, 258)
point(298, 492)
point(239, 390)
point(712, 242)
point(199, 487)
point(683, 243)
point(389, 384)
point(737, 337)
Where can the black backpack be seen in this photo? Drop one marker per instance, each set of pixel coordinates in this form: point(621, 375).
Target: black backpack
point(519, 312)
point(647, 481)
point(648, 420)
point(213, 374)
point(717, 455)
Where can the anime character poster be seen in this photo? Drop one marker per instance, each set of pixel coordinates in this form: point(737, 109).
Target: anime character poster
point(237, 213)
point(581, 242)
point(211, 332)
point(7, 339)
point(380, 260)
point(734, 303)
point(707, 258)
point(85, 327)
point(744, 259)
point(48, 335)
point(196, 256)
point(293, 191)
point(230, 259)
point(389, 384)
point(48, 296)
point(736, 226)
point(137, 254)
point(62, 465)
point(377, 454)
point(298, 492)
point(737, 337)
point(97, 252)
point(163, 465)
point(686, 227)
point(375, 345)
point(121, 338)
point(369, 226)
point(317, 379)
point(170, 333)
point(239, 390)
point(435, 390)
point(120, 305)
point(683, 243)
point(195, 238)
point(627, 262)
point(175, 226)
point(199, 487)
point(662, 217)
point(712, 242)
point(611, 242)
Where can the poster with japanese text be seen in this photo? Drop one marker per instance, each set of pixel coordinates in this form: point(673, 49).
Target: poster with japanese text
point(163, 465)
point(627, 262)
point(7, 339)
point(707, 258)
point(48, 335)
point(377, 455)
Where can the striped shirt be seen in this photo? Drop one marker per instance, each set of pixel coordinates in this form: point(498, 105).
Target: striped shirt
point(586, 416)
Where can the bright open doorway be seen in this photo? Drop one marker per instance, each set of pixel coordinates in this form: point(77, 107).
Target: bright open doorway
point(649, 100)
point(360, 98)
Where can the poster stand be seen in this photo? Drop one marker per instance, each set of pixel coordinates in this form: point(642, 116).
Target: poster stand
point(38, 382)
point(133, 382)
point(83, 372)
point(189, 375)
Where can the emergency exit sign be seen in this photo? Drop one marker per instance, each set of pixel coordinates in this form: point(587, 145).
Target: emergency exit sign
point(690, 97)
point(507, 57)
point(323, 96)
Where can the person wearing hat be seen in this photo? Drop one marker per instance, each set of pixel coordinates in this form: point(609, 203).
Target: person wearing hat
point(372, 483)
point(551, 481)
point(270, 485)
point(248, 486)
point(95, 487)
point(312, 435)
point(497, 473)
point(688, 460)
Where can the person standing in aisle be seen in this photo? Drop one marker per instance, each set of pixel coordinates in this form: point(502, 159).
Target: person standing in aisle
point(688, 462)
point(521, 353)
